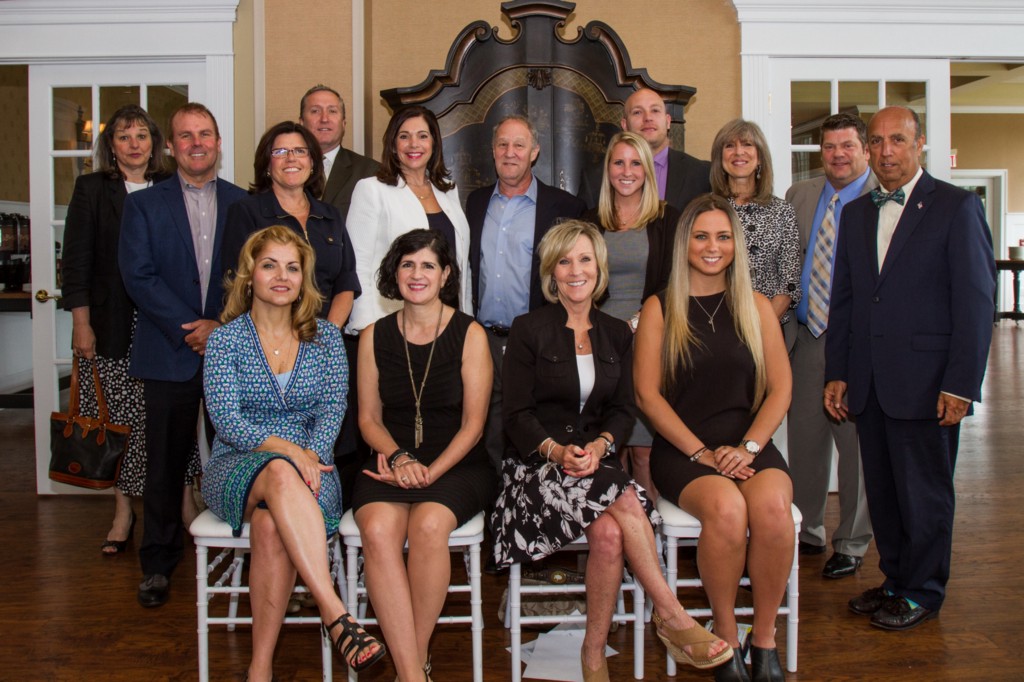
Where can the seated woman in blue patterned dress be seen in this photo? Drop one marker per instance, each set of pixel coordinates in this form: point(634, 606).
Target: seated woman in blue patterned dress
point(276, 379)
point(567, 399)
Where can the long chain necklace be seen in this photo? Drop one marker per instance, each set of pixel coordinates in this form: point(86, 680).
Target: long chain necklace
point(418, 395)
point(711, 316)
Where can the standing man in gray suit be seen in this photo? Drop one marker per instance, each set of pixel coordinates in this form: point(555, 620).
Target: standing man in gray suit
point(819, 203)
point(322, 111)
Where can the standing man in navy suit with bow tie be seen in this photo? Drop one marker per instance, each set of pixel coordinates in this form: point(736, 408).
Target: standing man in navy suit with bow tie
point(910, 324)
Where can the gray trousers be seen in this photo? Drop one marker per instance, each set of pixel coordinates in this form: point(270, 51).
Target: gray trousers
point(811, 434)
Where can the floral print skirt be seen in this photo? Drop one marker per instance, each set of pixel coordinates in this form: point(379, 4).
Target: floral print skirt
point(541, 509)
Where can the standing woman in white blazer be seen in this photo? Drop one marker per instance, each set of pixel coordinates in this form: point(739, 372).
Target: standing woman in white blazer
point(413, 189)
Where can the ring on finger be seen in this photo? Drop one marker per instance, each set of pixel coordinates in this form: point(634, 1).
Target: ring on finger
point(405, 479)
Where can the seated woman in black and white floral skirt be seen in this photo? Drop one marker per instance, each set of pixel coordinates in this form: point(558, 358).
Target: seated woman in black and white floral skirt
point(568, 398)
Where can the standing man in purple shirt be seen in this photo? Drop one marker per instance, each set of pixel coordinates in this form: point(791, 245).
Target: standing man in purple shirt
point(680, 177)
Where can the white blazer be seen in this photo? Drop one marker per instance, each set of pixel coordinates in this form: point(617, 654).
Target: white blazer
point(379, 213)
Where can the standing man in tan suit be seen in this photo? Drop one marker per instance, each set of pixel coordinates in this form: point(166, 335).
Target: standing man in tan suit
point(811, 431)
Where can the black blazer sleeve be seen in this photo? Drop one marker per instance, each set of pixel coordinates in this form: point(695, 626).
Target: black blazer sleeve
point(661, 238)
point(81, 230)
point(241, 221)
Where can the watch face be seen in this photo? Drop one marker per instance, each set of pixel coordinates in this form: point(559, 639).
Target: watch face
point(752, 447)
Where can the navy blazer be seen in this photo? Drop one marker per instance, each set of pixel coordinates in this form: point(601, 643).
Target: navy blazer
point(552, 204)
point(688, 178)
point(924, 323)
point(91, 277)
point(158, 264)
point(541, 385)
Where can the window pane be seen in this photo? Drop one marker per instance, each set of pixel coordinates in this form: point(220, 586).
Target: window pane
point(810, 103)
point(909, 94)
point(65, 172)
point(858, 97)
point(164, 99)
point(806, 165)
point(113, 97)
point(72, 109)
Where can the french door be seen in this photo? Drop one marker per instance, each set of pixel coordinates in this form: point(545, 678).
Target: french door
point(68, 106)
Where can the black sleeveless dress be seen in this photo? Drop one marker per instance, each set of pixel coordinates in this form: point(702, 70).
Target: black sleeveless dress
point(469, 486)
point(713, 398)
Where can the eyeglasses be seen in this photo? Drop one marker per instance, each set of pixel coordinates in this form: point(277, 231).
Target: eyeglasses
point(297, 152)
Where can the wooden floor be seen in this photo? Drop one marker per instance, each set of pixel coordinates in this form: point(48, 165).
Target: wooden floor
point(67, 613)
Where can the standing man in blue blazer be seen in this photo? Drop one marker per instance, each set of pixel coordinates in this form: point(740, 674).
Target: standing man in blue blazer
point(910, 324)
point(169, 252)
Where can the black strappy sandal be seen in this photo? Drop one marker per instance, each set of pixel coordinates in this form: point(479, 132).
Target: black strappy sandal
point(354, 640)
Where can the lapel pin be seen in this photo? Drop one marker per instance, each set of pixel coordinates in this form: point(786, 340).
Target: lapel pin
point(920, 205)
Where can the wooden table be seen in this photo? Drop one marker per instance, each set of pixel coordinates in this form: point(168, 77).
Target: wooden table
point(1014, 266)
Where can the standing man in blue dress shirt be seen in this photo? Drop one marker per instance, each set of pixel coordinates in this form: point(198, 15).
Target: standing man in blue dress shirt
point(811, 432)
point(507, 220)
point(169, 253)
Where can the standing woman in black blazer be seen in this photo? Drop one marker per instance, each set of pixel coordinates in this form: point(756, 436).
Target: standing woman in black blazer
point(129, 155)
point(567, 400)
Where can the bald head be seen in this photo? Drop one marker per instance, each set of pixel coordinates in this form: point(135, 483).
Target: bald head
point(646, 115)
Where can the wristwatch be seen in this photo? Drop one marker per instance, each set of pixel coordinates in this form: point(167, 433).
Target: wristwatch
point(751, 447)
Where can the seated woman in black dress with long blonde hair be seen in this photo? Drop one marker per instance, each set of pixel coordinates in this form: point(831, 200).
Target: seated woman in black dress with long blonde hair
point(713, 377)
point(424, 386)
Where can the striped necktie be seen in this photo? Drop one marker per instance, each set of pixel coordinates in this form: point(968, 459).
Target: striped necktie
point(820, 287)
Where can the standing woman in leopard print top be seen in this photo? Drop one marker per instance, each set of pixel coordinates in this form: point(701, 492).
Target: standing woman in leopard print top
point(741, 170)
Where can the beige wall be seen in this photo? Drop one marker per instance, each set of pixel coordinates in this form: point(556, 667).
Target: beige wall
point(14, 133)
point(992, 141)
point(690, 43)
point(245, 115)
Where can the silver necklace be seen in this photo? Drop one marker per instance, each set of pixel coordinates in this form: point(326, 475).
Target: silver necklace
point(418, 395)
point(711, 316)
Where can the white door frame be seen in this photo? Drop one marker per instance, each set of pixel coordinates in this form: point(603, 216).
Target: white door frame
point(109, 36)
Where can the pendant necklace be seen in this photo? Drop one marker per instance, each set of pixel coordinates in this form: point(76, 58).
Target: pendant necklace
point(418, 395)
point(276, 352)
point(711, 316)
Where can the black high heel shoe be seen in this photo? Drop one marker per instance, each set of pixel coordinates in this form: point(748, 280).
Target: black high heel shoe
point(733, 670)
point(352, 641)
point(765, 666)
point(119, 546)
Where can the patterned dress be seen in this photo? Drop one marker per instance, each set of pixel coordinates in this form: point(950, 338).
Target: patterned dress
point(247, 406)
point(773, 248)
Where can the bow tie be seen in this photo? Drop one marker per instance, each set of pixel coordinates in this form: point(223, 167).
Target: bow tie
point(880, 197)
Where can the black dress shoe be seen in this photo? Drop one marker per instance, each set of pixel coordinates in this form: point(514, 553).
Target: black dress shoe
point(765, 666)
point(841, 565)
point(807, 549)
point(869, 601)
point(897, 614)
point(733, 670)
point(153, 590)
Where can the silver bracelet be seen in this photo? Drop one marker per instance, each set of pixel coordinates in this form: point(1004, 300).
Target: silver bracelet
point(697, 455)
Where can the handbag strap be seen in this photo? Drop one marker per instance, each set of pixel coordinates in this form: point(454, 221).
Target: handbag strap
point(74, 403)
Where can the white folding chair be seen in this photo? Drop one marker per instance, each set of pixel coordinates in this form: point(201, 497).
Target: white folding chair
point(514, 619)
point(466, 539)
point(223, 575)
point(681, 529)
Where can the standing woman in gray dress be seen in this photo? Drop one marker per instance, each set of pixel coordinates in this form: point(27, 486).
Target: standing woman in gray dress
point(741, 171)
point(639, 229)
point(129, 155)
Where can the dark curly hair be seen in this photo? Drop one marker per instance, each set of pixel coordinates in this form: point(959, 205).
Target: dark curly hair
point(411, 242)
point(391, 170)
point(261, 164)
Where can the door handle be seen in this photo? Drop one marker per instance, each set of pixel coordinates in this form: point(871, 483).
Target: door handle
point(43, 296)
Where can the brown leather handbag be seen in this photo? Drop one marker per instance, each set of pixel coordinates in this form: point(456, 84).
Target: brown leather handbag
point(86, 451)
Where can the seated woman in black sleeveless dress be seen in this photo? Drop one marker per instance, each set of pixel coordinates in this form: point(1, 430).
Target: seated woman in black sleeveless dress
point(713, 376)
point(424, 386)
point(567, 399)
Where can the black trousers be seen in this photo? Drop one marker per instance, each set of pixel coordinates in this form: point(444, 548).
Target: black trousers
point(172, 411)
point(350, 449)
point(908, 476)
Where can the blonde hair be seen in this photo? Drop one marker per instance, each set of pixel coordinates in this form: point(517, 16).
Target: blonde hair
point(651, 207)
point(238, 296)
point(559, 241)
point(743, 131)
point(679, 338)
